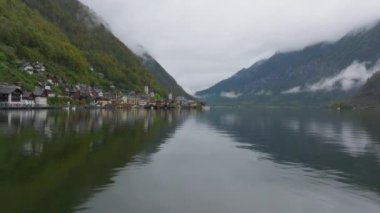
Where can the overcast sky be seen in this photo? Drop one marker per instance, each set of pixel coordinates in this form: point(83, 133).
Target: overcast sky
point(200, 42)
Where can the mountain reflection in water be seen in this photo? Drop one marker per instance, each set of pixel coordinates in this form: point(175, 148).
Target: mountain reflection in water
point(343, 143)
point(225, 160)
point(51, 161)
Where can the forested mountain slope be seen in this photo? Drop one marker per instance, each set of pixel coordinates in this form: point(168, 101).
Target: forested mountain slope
point(315, 75)
point(71, 42)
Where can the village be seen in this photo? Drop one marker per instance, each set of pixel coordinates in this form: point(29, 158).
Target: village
point(44, 96)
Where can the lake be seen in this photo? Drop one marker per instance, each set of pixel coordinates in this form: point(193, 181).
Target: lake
point(224, 160)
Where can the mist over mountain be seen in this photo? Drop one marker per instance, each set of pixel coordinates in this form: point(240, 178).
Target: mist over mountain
point(369, 94)
point(317, 74)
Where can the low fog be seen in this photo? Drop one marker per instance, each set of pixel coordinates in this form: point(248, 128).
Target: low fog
point(354, 76)
point(230, 94)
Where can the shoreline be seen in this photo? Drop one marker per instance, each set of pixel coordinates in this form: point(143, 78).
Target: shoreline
point(95, 108)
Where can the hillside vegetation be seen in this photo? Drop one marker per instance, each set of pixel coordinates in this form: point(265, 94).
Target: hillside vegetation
point(369, 95)
point(72, 43)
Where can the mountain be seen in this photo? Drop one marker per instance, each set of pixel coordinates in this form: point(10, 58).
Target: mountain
point(314, 75)
point(73, 44)
point(162, 76)
point(369, 94)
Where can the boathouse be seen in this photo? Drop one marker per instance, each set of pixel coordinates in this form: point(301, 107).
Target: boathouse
point(10, 96)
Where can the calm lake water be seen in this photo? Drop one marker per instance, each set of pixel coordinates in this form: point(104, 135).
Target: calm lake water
point(222, 161)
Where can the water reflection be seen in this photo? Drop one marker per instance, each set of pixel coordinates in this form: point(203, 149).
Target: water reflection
point(51, 161)
point(158, 161)
point(250, 161)
point(353, 139)
point(346, 145)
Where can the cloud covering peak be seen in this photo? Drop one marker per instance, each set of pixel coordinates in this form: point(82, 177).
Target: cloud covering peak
point(201, 42)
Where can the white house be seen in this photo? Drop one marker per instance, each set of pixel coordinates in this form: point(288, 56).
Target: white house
point(124, 99)
point(143, 102)
point(41, 95)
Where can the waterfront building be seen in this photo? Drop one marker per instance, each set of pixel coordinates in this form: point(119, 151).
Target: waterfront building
point(10, 96)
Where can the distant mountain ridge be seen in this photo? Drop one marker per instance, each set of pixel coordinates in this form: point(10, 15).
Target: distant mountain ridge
point(317, 74)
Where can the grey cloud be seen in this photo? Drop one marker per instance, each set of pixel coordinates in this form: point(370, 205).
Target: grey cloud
point(212, 39)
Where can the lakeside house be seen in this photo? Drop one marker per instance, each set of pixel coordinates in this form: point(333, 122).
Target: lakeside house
point(41, 96)
point(13, 96)
point(10, 96)
point(181, 101)
point(103, 102)
point(132, 99)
